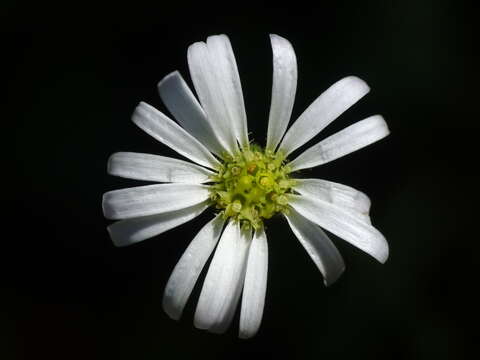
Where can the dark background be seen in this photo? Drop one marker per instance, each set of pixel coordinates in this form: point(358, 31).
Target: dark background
point(75, 74)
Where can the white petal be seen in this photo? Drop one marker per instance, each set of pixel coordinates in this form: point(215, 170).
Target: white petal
point(165, 130)
point(209, 92)
point(152, 199)
point(344, 142)
point(188, 268)
point(224, 281)
point(326, 108)
point(183, 105)
point(223, 322)
point(156, 168)
point(342, 224)
point(255, 286)
point(224, 63)
point(337, 194)
point(320, 248)
point(283, 89)
point(130, 231)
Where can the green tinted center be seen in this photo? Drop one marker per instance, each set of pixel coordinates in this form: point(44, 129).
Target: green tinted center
point(252, 186)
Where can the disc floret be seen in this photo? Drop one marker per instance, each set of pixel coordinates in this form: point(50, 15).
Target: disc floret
point(252, 185)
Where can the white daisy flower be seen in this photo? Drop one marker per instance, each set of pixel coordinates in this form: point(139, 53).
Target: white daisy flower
point(245, 183)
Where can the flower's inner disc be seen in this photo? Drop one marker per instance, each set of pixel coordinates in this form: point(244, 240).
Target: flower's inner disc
point(252, 186)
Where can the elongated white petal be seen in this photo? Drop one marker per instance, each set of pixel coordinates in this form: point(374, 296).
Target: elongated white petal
point(206, 82)
point(337, 194)
point(152, 199)
point(342, 224)
point(326, 108)
point(156, 168)
point(165, 130)
point(130, 231)
point(255, 286)
point(224, 281)
point(223, 59)
point(226, 316)
point(223, 322)
point(320, 248)
point(183, 105)
point(188, 268)
point(344, 142)
point(283, 89)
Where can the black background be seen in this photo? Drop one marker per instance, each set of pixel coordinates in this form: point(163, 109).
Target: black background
point(75, 74)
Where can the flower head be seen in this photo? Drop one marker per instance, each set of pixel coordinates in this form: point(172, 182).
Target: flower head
point(245, 183)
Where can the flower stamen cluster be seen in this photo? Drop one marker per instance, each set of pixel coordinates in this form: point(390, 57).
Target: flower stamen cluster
point(252, 185)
